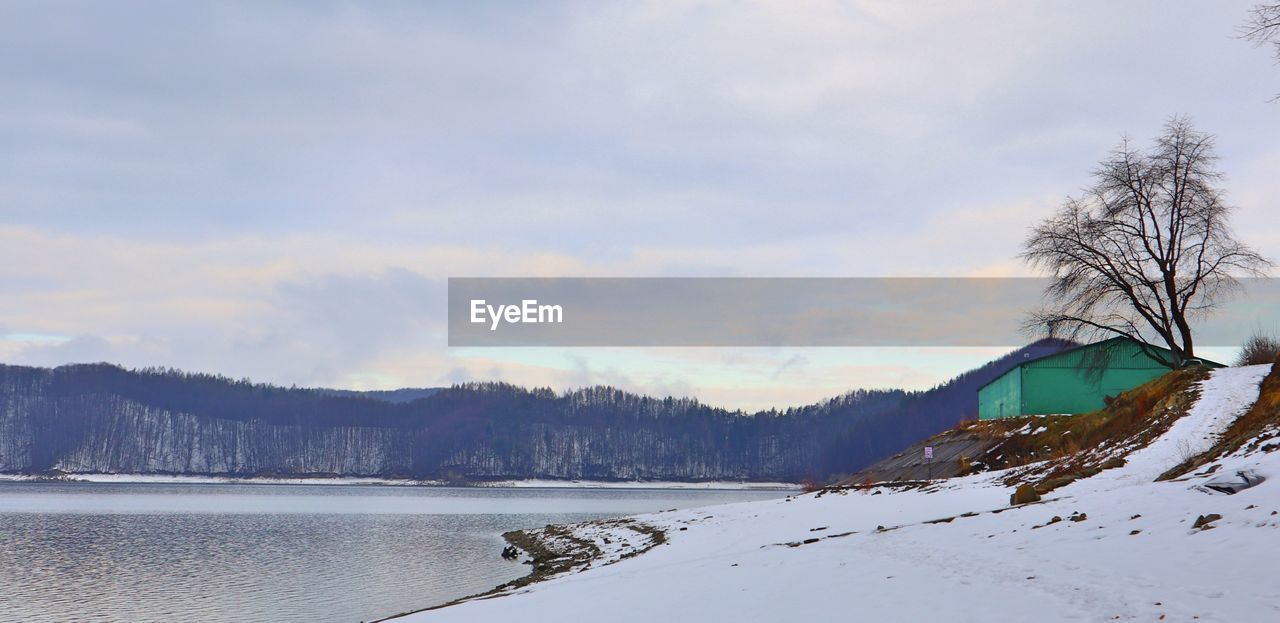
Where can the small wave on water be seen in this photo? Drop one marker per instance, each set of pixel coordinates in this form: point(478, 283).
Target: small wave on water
point(275, 553)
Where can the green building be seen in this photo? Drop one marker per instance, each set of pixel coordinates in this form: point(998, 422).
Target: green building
point(1072, 381)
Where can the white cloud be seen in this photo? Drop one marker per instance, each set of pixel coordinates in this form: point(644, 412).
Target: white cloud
point(278, 190)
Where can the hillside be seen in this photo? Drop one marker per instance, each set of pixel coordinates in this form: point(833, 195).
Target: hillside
point(1059, 448)
point(1151, 536)
point(105, 419)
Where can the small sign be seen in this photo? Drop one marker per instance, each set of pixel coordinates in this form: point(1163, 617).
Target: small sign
point(928, 452)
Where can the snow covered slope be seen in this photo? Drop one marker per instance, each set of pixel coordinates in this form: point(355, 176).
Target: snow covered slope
point(1116, 546)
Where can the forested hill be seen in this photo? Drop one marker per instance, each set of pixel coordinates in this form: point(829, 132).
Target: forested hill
point(407, 394)
point(103, 418)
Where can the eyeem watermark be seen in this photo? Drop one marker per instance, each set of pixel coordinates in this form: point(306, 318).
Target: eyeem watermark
point(773, 311)
point(527, 312)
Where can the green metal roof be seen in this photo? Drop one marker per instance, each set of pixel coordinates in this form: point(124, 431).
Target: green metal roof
point(1074, 357)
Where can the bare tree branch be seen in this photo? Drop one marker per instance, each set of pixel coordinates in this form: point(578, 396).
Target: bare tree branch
point(1262, 27)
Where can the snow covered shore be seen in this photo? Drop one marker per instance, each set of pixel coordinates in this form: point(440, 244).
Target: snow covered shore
point(512, 484)
point(1116, 546)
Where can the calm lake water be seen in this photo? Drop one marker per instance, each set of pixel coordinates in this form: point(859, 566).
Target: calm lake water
point(275, 553)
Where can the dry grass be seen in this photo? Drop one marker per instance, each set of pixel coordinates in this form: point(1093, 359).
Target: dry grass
point(1050, 451)
point(1088, 443)
point(1070, 447)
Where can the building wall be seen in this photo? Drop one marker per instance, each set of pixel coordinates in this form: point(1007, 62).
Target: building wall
point(1001, 397)
point(1076, 390)
point(1076, 381)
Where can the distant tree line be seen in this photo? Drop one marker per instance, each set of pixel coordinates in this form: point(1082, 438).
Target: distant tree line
point(106, 418)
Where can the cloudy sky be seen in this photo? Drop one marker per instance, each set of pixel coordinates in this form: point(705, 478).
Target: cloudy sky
point(279, 190)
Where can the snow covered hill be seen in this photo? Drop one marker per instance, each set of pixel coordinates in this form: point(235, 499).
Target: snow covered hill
point(1115, 546)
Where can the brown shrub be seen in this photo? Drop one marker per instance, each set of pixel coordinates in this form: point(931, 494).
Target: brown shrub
point(1259, 349)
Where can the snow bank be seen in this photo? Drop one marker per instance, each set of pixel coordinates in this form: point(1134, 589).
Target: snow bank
point(1114, 547)
point(1224, 396)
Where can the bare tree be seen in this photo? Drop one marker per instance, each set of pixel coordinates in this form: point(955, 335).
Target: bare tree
point(1145, 250)
point(1263, 29)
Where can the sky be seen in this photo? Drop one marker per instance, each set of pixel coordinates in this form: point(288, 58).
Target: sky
point(280, 190)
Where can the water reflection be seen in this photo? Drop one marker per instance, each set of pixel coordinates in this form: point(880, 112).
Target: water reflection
point(278, 553)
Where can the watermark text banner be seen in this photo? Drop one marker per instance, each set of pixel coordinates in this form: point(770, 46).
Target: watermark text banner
point(797, 312)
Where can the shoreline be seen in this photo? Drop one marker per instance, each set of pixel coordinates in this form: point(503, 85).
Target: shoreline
point(551, 551)
point(533, 483)
point(559, 550)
